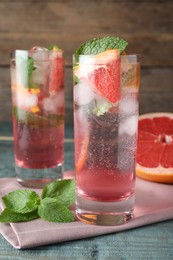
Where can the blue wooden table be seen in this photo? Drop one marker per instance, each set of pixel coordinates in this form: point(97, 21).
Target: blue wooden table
point(150, 242)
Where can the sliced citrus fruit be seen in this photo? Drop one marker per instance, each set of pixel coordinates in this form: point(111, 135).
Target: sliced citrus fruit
point(154, 160)
point(81, 158)
point(102, 72)
point(56, 80)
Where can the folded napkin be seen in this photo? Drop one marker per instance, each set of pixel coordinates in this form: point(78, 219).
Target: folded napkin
point(154, 203)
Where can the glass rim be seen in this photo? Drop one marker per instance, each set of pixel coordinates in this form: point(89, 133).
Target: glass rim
point(20, 51)
point(90, 58)
point(121, 55)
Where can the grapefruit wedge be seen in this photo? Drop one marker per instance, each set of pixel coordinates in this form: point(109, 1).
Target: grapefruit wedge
point(56, 80)
point(82, 154)
point(102, 72)
point(154, 160)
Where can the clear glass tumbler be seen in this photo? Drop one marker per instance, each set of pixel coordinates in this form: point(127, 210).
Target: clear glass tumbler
point(105, 122)
point(37, 84)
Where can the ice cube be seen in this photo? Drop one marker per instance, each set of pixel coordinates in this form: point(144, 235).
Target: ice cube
point(81, 118)
point(128, 105)
point(129, 126)
point(39, 75)
point(27, 101)
point(53, 103)
point(48, 105)
point(83, 93)
point(39, 53)
point(21, 68)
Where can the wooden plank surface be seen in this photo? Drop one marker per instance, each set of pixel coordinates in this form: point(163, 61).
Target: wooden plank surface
point(146, 25)
point(156, 92)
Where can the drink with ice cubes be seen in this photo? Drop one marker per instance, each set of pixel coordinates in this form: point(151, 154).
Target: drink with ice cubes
point(106, 118)
point(37, 78)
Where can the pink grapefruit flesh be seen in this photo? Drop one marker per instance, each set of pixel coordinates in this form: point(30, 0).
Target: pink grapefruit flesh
point(155, 147)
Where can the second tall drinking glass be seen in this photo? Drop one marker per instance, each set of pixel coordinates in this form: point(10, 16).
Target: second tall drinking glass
point(37, 83)
point(106, 118)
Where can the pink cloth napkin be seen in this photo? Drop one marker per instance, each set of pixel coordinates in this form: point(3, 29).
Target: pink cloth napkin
point(154, 203)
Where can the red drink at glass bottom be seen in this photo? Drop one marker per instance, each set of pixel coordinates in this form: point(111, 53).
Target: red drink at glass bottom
point(38, 146)
point(106, 170)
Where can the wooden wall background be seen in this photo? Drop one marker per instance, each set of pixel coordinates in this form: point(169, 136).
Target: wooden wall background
point(147, 25)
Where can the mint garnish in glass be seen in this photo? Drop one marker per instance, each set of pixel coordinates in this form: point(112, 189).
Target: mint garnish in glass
point(98, 45)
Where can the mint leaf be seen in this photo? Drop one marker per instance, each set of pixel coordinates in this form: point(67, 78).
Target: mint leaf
point(75, 79)
point(53, 210)
point(64, 190)
point(11, 216)
point(31, 66)
point(98, 45)
point(53, 47)
point(101, 108)
point(21, 201)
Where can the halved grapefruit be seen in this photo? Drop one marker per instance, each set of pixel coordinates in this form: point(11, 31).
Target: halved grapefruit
point(154, 160)
point(102, 72)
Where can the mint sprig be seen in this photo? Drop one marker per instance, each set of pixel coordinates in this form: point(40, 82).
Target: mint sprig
point(98, 45)
point(26, 205)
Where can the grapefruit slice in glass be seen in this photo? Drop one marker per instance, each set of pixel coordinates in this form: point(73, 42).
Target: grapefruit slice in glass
point(102, 72)
point(56, 79)
point(81, 155)
point(154, 160)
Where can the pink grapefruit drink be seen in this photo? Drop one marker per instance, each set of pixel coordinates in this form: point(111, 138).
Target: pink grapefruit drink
point(37, 79)
point(106, 119)
point(45, 146)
